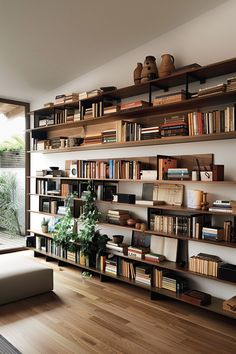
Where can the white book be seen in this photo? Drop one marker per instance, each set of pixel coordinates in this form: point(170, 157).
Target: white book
point(165, 246)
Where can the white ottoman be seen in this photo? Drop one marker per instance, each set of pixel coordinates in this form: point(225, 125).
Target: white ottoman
point(21, 278)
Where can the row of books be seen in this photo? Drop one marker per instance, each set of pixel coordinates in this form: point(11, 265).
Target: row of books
point(217, 121)
point(56, 143)
point(176, 224)
point(48, 245)
point(163, 279)
point(47, 187)
point(206, 264)
point(112, 169)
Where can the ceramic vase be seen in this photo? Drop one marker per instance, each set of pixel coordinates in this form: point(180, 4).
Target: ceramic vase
point(167, 65)
point(149, 71)
point(137, 73)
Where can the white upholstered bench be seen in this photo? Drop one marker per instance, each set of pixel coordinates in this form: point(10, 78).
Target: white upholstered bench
point(21, 278)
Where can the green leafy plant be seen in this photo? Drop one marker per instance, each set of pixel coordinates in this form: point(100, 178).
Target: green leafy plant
point(90, 239)
point(65, 230)
point(8, 204)
point(44, 222)
point(15, 143)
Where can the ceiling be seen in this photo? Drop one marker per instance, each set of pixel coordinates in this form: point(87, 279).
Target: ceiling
point(46, 43)
point(11, 110)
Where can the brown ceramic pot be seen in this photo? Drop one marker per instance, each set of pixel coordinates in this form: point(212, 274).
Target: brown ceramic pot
point(137, 73)
point(167, 65)
point(149, 71)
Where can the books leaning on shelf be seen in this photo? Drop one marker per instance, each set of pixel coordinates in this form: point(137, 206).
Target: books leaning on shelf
point(206, 264)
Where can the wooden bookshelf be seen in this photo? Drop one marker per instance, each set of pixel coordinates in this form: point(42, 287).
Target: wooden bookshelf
point(216, 305)
point(148, 117)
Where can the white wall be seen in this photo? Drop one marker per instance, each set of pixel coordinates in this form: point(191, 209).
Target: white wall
point(207, 39)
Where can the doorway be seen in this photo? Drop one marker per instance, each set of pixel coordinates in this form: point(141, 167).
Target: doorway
point(14, 168)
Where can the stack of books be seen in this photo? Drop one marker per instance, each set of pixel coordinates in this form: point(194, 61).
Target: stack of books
point(89, 94)
point(111, 265)
point(121, 248)
point(213, 90)
point(48, 104)
point(111, 109)
point(137, 252)
point(206, 264)
point(213, 233)
point(87, 113)
point(173, 283)
point(71, 256)
point(178, 174)
point(109, 136)
point(92, 139)
point(222, 206)
point(59, 99)
point(150, 133)
point(143, 275)
point(154, 257)
point(61, 210)
point(174, 126)
point(118, 217)
point(134, 104)
point(170, 98)
point(71, 97)
point(231, 84)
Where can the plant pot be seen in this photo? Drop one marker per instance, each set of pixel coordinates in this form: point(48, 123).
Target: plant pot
point(44, 229)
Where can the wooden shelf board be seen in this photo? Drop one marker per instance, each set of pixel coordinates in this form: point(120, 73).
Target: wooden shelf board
point(135, 180)
point(175, 79)
point(44, 213)
point(46, 195)
point(150, 142)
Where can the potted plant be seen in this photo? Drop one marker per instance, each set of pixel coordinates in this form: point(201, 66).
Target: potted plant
point(92, 243)
point(65, 230)
point(44, 225)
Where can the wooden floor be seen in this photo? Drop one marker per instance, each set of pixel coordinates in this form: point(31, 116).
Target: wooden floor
point(10, 242)
point(87, 316)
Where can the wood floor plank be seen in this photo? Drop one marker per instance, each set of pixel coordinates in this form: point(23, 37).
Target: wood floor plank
point(84, 316)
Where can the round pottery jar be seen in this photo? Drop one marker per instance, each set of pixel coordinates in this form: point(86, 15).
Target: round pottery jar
point(131, 222)
point(149, 71)
point(167, 65)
